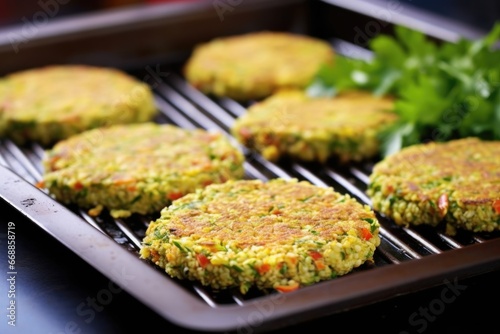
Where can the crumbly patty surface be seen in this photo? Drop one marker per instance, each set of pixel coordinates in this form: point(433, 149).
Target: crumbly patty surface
point(255, 65)
point(290, 123)
point(456, 183)
point(137, 168)
point(281, 234)
point(51, 103)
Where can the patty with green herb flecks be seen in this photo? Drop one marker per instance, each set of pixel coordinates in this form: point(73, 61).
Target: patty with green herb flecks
point(292, 124)
point(255, 65)
point(281, 235)
point(137, 168)
point(51, 103)
point(456, 183)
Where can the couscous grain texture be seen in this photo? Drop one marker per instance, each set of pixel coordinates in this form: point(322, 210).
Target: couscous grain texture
point(51, 103)
point(456, 183)
point(137, 168)
point(281, 235)
point(255, 65)
point(292, 124)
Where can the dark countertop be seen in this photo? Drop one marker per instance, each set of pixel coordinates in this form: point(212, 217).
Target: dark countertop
point(57, 292)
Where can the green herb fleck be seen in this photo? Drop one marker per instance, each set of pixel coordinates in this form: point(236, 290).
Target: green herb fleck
point(284, 268)
point(182, 249)
point(238, 269)
point(160, 235)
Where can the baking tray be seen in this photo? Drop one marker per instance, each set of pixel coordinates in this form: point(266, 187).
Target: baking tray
point(408, 260)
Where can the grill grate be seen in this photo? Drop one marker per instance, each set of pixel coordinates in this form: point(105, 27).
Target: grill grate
point(180, 104)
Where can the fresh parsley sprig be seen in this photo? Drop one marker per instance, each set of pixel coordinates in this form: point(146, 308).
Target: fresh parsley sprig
point(443, 91)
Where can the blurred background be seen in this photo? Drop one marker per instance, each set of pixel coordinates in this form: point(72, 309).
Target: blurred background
point(13, 11)
point(480, 14)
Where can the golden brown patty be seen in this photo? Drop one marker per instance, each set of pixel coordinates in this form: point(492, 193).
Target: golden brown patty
point(292, 124)
point(457, 183)
point(137, 168)
point(51, 103)
point(280, 234)
point(255, 65)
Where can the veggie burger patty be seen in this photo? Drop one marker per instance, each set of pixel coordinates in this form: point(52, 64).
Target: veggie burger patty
point(281, 234)
point(137, 168)
point(51, 103)
point(254, 65)
point(455, 182)
point(290, 123)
